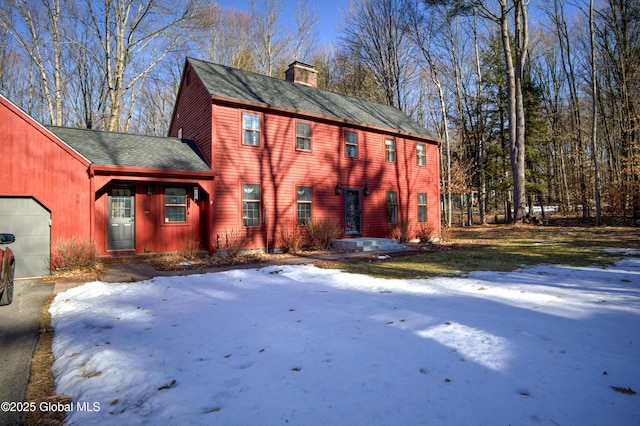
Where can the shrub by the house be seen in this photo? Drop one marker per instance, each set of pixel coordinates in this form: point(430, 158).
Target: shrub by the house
point(322, 231)
point(292, 238)
point(73, 254)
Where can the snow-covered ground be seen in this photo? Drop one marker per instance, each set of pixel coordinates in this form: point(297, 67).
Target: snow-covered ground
point(308, 346)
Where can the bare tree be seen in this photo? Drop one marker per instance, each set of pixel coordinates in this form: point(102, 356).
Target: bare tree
point(557, 16)
point(350, 77)
point(516, 105)
point(376, 36)
point(134, 36)
point(41, 41)
point(548, 70)
point(618, 39)
point(594, 111)
point(515, 50)
point(271, 40)
point(157, 100)
point(425, 28)
point(224, 36)
point(481, 125)
point(306, 36)
point(84, 79)
point(12, 64)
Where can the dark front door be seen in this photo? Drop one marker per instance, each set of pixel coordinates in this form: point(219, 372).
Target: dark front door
point(121, 221)
point(352, 212)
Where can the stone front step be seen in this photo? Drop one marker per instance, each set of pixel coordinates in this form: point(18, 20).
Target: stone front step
point(367, 244)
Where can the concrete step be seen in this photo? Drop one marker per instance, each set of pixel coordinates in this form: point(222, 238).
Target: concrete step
point(367, 244)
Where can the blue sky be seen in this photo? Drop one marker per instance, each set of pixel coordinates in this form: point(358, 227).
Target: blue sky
point(329, 12)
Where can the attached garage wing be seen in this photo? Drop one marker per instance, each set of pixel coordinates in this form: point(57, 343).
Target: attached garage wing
point(30, 222)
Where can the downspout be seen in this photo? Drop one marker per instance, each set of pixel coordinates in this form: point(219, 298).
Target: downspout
point(92, 203)
point(211, 217)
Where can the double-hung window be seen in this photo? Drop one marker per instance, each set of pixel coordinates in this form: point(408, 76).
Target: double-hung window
point(351, 144)
point(175, 205)
point(304, 204)
point(303, 136)
point(251, 205)
point(422, 206)
point(250, 129)
point(421, 154)
point(390, 150)
point(392, 207)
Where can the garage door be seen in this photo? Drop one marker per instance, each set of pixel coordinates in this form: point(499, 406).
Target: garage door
point(30, 222)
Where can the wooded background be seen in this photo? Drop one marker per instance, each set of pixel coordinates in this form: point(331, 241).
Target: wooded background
point(537, 103)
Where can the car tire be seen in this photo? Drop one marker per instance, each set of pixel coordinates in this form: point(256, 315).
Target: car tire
point(7, 294)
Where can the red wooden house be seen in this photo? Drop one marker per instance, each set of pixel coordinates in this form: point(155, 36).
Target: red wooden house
point(248, 155)
point(127, 193)
point(286, 152)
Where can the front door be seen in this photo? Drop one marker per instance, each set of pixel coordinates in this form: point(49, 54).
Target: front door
point(121, 221)
point(352, 212)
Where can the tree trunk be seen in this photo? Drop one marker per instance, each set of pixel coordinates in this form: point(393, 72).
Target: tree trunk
point(594, 123)
point(515, 101)
point(33, 40)
point(482, 152)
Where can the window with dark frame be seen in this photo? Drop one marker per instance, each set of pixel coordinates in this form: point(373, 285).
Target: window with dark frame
point(422, 207)
point(390, 150)
point(304, 204)
point(303, 136)
point(392, 207)
point(251, 205)
point(421, 154)
point(351, 144)
point(175, 205)
point(250, 129)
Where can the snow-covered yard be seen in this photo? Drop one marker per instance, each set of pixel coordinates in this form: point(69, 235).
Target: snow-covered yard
point(309, 346)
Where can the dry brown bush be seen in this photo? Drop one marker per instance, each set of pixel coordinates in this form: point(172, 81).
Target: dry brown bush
point(322, 231)
point(73, 254)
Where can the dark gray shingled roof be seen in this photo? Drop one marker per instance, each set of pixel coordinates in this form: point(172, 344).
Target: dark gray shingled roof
point(127, 150)
point(247, 86)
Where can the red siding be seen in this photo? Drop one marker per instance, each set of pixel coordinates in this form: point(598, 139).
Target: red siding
point(152, 233)
point(216, 127)
point(36, 164)
point(279, 168)
point(192, 113)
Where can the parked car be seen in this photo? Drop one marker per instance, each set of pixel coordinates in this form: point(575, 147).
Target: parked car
point(7, 269)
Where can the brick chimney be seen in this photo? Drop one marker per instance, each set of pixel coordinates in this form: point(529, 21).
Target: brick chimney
point(302, 73)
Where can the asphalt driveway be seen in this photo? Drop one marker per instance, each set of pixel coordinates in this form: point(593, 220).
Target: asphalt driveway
point(19, 331)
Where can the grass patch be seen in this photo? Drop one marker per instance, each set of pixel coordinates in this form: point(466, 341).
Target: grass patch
point(505, 248)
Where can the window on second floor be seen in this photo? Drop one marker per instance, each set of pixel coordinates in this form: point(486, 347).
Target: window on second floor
point(303, 136)
point(390, 150)
point(351, 144)
point(250, 129)
point(421, 154)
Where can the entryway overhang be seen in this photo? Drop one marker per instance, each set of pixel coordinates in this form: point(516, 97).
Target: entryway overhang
point(102, 175)
point(105, 178)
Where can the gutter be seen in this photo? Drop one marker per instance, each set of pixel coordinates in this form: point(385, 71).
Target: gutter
point(149, 173)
